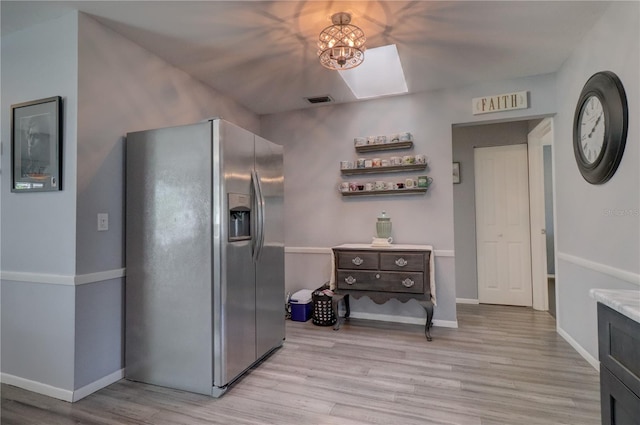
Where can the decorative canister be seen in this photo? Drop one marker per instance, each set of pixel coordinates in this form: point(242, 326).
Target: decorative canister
point(383, 226)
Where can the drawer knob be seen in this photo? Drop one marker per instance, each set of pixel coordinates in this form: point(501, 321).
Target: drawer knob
point(401, 262)
point(357, 261)
point(408, 283)
point(350, 280)
point(377, 275)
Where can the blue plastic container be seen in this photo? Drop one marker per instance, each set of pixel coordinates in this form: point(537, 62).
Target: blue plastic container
point(301, 305)
point(301, 312)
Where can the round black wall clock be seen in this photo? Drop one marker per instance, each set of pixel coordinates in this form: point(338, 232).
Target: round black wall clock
point(600, 127)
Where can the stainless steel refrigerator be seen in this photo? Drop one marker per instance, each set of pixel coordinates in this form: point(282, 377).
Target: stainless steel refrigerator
point(204, 255)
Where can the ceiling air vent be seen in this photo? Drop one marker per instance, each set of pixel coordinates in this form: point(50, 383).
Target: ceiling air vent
point(319, 99)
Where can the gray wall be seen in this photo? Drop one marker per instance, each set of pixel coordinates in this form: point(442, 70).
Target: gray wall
point(38, 333)
point(38, 229)
point(99, 325)
point(318, 217)
point(315, 141)
point(598, 226)
point(465, 139)
point(65, 337)
point(42, 240)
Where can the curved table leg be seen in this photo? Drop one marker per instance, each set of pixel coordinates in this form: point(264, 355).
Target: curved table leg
point(428, 307)
point(334, 306)
point(347, 308)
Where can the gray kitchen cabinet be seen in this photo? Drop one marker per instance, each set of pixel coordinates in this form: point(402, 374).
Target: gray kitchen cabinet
point(619, 352)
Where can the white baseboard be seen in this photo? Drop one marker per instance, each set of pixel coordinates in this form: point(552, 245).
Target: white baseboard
point(37, 387)
point(445, 323)
point(101, 383)
point(402, 319)
point(584, 353)
point(467, 301)
point(60, 393)
point(69, 280)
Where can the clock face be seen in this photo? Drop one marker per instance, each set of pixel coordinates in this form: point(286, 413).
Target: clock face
point(592, 129)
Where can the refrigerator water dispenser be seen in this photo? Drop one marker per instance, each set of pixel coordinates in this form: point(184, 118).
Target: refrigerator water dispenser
point(239, 217)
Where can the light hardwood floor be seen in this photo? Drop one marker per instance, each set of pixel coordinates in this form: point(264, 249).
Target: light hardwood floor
point(503, 365)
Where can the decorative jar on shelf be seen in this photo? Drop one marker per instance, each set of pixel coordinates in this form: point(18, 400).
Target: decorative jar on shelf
point(383, 226)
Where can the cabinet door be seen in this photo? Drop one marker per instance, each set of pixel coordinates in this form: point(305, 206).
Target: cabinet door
point(619, 346)
point(619, 405)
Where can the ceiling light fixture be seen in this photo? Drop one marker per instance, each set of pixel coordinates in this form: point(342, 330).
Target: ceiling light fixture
point(341, 45)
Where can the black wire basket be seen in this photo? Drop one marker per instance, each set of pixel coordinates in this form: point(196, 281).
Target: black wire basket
point(322, 310)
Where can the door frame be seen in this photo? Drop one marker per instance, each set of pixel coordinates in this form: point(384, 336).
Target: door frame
point(541, 135)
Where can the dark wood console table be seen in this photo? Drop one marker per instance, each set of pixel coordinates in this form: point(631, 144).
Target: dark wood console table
point(402, 272)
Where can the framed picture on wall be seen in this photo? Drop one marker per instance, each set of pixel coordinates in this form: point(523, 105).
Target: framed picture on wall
point(36, 145)
point(456, 172)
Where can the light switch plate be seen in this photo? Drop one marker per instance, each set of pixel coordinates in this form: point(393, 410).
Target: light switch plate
point(103, 222)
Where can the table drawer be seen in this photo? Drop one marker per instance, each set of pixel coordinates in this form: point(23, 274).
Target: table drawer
point(357, 260)
point(398, 282)
point(402, 261)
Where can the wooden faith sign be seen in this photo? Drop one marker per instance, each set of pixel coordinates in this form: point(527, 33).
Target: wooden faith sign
point(500, 102)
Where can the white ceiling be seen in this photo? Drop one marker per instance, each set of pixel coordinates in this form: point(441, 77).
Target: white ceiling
point(263, 54)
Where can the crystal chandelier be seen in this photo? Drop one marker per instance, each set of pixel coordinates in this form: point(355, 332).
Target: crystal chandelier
point(341, 46)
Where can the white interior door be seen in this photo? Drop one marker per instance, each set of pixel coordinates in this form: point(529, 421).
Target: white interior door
point(502, 225)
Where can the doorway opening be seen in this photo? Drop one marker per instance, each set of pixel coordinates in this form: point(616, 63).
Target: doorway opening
point(537, 135)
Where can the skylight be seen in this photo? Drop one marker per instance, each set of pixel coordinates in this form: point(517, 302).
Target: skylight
point(379, 75)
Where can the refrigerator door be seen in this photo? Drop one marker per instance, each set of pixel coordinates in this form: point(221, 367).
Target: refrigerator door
point(234, 275)
point(270, 318)
point(168, 339)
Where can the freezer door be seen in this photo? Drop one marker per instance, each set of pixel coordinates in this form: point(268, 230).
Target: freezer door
point(234, 286)
point(270, 300)
point(168, 252)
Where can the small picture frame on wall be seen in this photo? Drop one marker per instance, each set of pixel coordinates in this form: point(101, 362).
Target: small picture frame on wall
point(36, 145)
point(456, 172)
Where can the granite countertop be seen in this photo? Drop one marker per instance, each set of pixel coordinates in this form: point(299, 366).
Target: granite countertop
point(626, 302)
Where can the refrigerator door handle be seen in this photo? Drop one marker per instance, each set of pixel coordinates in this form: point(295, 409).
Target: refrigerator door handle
point(260, 217)
point(254, 221)
point(259, 202)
